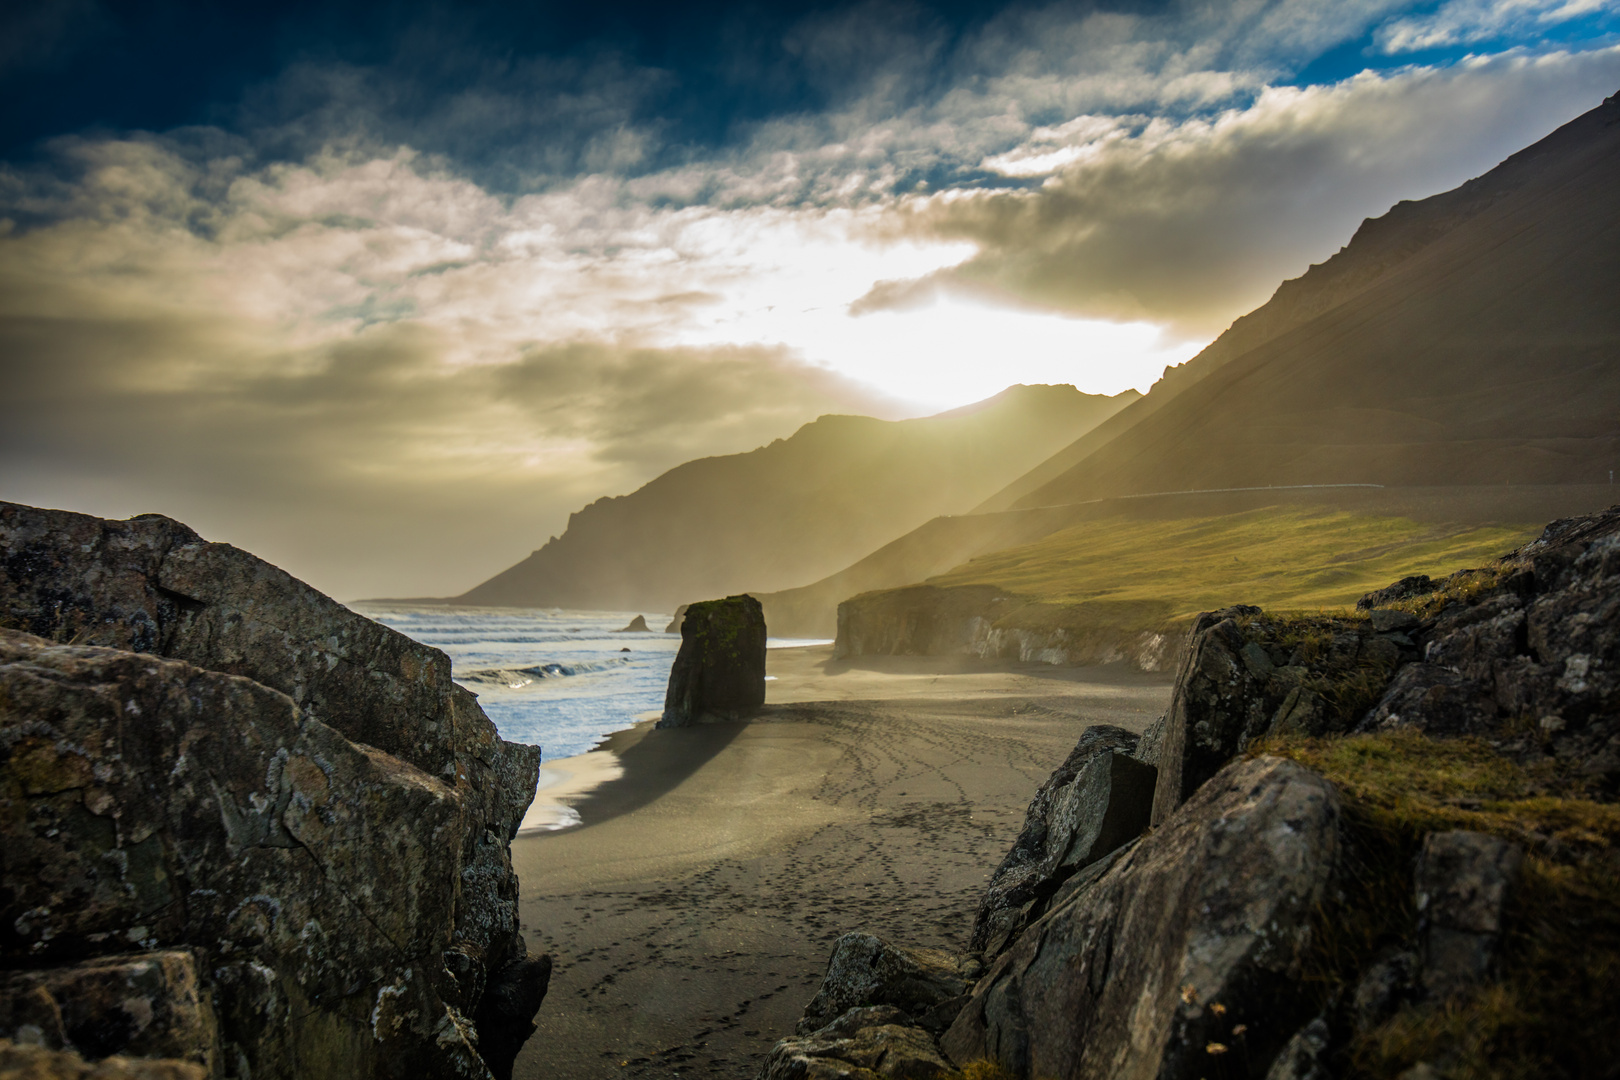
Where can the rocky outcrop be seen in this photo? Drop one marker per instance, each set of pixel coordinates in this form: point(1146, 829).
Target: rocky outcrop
point(866, 970)
point(214, 774)
point(861, 1044)
point(674, 624)
point(1532, 644)
point(1191, 941)
point(877, 1013)
point(989, 623)
point(1098, 800)
point(1380, 843)
point(719, 672)
point(1244, 675)
point(638, 625)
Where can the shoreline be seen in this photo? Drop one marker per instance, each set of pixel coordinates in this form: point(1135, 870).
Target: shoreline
point(802, 674)
point(565, 781)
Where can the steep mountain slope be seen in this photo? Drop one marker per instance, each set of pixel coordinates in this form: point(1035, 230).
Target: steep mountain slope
point(1456, 342)
point(795, 510)
point(1472, 338)
point(942, 544)
point(1379, 246)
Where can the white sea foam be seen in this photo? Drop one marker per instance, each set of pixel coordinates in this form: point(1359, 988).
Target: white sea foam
point(563, 679)
point(547, 676)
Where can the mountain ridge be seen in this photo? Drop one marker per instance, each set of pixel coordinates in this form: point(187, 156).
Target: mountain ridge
point(793, 510)
point(1446, 332)
point(1378, 246)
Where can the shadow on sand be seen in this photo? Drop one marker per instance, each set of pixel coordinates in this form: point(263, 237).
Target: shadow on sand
point(655, 761)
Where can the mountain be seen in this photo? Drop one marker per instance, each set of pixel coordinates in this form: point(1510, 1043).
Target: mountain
point(1470, 338)
point(1455, 343)
point(795, 510)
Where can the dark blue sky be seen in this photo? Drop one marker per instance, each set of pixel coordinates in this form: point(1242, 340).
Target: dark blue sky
point(161, 65)
point(287, 75)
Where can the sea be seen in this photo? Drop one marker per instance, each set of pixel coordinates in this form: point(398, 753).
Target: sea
point(564, 680)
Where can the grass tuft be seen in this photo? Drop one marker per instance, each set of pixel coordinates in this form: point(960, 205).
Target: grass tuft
point(1404, 781)
point(1550, 1011)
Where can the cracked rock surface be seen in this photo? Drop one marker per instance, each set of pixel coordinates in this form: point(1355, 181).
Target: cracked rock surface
point(1197, 929)
point(1536, 647)
point(200, 754)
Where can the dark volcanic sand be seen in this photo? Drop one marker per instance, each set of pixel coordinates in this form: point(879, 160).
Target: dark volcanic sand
point(691, 915)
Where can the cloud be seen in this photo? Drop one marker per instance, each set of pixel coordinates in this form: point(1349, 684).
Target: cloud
point(388, 322)
point(1465, 22)
point(374, 372)
point(365, 460)
point(1187, 223)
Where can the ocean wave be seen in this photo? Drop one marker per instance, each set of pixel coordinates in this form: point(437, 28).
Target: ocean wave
point(516, 678)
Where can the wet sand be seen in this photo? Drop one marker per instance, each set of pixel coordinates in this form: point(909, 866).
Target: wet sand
point(691, 913)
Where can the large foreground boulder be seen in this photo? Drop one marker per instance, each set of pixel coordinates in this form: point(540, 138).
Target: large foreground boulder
point(202, 757)
point(719, 673)
point(1187, 948)
point(1098, 800)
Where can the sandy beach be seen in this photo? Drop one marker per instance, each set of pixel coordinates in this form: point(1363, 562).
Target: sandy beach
point(691, 912)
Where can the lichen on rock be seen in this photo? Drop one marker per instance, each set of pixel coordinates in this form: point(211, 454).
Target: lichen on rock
point(1195, 932)
point(202, 757)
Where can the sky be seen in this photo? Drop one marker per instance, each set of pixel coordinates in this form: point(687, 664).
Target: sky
point(382, 292)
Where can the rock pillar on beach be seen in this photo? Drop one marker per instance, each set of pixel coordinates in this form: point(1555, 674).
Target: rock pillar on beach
point(719, 674)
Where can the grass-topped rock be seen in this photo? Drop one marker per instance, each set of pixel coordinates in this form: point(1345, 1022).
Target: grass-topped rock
point(1121, 589)
point(1384, 844)
point(1471, 727)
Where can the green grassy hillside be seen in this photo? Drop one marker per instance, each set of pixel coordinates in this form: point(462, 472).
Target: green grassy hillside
point(1282, 558)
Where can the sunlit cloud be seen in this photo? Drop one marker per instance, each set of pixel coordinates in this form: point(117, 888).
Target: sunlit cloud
point(1464, 22)
point(336, 316)
point(1185, 223)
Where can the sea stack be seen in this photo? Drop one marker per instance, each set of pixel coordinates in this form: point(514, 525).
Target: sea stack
point(719, 674)
point(638, 625)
